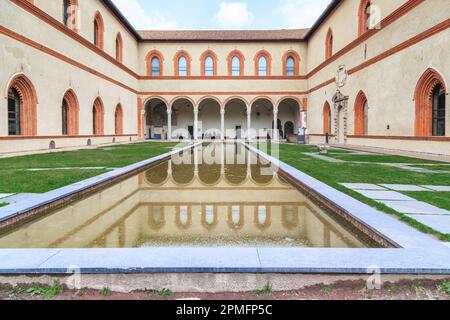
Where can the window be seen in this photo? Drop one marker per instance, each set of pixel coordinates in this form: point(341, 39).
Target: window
point(290, 66)
point(119, 48)
point(66, 8)
point(70, 14)
point(13, 112)
point(94, 121)
point(364, 17)
point(361, 114)
point(326, 118)
point(97, 117)
point(65, 118)
point(118, 120)
point(182, 67)
point(438, 111)
point(236, 66)
point(366, 117)
point(262, 66)
point(155, 67)
point(98, 30)
point(209, 66)
point(329, 44)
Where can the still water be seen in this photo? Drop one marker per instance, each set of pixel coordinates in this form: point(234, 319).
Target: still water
point(214, 195)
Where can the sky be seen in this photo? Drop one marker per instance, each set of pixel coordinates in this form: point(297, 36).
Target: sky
point(213, 14)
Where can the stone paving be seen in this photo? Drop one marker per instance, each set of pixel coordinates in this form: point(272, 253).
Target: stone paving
point(389, 195)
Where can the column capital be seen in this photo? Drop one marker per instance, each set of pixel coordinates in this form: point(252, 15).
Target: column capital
point(222, 111)
point(275, 109)
point(169, 111)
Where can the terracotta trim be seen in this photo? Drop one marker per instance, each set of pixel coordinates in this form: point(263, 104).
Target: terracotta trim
point(296, 56)
point(190, 78)
point(72, 113)
point(213, 55)
point(119, 48)
point(326, 118)
point(359, 113)
point(437, 139)
point(231, 55)
point(65, 137)
point(118, 120)
point(100, 35)
point(268, 56)
point(99, 120)
point(73, 15)
point(152, 54)
point(140, 118)
point(176, 58)
point(362, 16)
point(329, 44)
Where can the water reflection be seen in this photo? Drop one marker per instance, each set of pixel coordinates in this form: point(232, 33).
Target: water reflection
point(199, 203)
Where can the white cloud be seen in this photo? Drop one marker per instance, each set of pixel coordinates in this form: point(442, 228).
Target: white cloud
point(137, 16)
point(234, 15)
point(302, 13)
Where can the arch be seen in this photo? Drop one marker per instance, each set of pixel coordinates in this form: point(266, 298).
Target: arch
point(426, 85)
point(119, 48)
point(326, 118)
point(73, 108)
point(231, 55)
point(206, 54)
point(181, 98)
point(118, 120)
point(70, 14)
point(27, 105)
point(176, 60)
point(363, 16)
point(360, 114)
point(99, 30)
point(281, 100)
point(229, 99)
point(98, 117)
point(329, 44)
point(269, 99)
point(296, 57)
point(149, 58)
point(203, 99)
point(157, 98)
point(268, 57)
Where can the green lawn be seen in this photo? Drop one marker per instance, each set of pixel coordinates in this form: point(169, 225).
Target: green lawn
point(435, 168)
point(335, 173)
point(347, 156)
point(2, 204)
point(14, 179)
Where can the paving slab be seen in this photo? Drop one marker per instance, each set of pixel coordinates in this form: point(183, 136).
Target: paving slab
point(5, 195)
point(404, 187)
point(438, 223)
point(323, 157)
point(414, 207)
point(20, 197)
point(438, 188)
point(362, 186)
point(384, 195)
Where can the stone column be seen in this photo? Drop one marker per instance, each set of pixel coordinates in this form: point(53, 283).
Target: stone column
point(169, 124)
point(195, 124)
point(222, 122)
point(275, 124)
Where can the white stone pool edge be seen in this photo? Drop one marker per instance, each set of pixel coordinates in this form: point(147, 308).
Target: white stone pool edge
point(419, 254)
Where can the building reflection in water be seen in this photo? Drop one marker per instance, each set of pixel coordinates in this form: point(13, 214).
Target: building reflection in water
point(236, 200)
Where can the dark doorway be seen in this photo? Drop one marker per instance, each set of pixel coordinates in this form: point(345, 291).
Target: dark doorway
point(191, 132)
point(238, 132)
point(288, 129)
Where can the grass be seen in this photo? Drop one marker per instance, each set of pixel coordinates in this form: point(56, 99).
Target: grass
point(264, 291)
point(445, 287)
point(434, 168)
point(46, 292)
point(335, 173)
point(105, 291)
point(328, 289)
point(438, 199)
point(3, 204)
point(164, 293)
point(15, 179)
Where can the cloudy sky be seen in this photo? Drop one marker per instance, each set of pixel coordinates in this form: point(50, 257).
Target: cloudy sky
point(221, 14)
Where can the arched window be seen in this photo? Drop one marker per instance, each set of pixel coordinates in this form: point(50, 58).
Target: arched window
point(263, 61)
point(430, 101)
point(262, 66)
point(154, 61)
point(98, 30)
point(236, 63)
point(291, 63)
point(209, 66)
point(22, 107)
point(364, 16)
point(97, 117)
point(361, 111)
point(182, 64)
point(119, 48)
point(13, 112)
point(118, 120)
point(69, 111)
point(329, 44)
point(70, 14)
point(326, 118)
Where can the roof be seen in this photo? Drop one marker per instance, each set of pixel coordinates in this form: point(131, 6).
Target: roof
point(223, 35)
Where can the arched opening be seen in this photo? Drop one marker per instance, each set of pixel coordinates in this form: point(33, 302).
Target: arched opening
point(208, 62)
point(361, 114)
point(70, 14)
point(69, 110)
point(157, 175)
point(156, 120)
point(235, 118)
point(263, 63)
point(99, 29)
point(329, 44)
point(289, 116)
point(209, 119)
point(118, 120)
point(119, 48)
point(154, 62)
point(22, 107)
point(291, 63)
point(326, 119)
point(183, 119)
point(236, 63)
point(98, 117)
point(182, 62)
point(430, 98)
point(364, 16)
point(262, 118)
